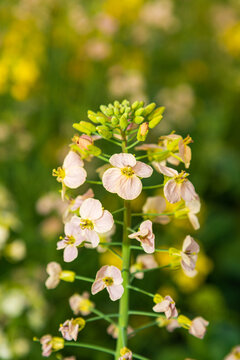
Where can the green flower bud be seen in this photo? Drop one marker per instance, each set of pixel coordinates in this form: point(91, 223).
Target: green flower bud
point(93, 116)
point(142, 131)
point(85, 127)
point(139, 111)
point(67, 275)
point(114, 120)
point(125, 103)
point(156, 112)
point(116, 104)
point(94, 150)
point(155, 121)
point(104, 131)
point(135, 105)
point(138, 119)
point(106, 111)
point(148, 109)
point(123, 122)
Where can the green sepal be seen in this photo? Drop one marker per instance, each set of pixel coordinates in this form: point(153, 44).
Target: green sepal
point(85, 127)
point(94, 150)
point(104, 131)
point(155, 121)
point(138, 119)
point(139, 111)
point(149, 109)
point(156, 112)
point(114, 121)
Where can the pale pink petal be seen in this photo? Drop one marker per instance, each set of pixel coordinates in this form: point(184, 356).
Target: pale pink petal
point(75, 220)
point(53, 268)
point(194, 221)
point(52, 282)
point(72, 159)
point(165, 170)
point(142, 170)
point(92, 237)
point(173, 161)
point(104, 223)
point(61, 244)
point(111, 178)
point(104, 271)
point(122, 160)
point(129, 188)
point(91, 209)
point(70, 253)
point(116, 274)
point(74, 176)
point(115, 292)
point(97, 286)
point(190, 245)
point(148, 245)
point(172, 191)
point(69, 228)
point(194, 206)
point(162, 306)
point(198, 327)
point(188, 192)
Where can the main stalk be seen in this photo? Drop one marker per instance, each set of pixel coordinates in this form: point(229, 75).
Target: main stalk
point(126, 253)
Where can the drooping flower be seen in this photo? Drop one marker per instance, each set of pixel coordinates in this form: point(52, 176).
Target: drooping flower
point(156, 205)
point(123, 178)
point(50, 344)
point(198, 327)
point(80, 304)
point(166, 305)
point(56, 274)
point(113, 330)
point(73, 238)
point(93, 220)
point(143, 262)
point(126, 354)
point(188, 255)
point(70, 328)
point(109, 277)
point(235, 354)
point(178, 187)
point(71, 174)
point(145, 236)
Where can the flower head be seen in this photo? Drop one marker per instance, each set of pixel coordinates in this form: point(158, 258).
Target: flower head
point(56, 274)
point(70, 328)
point(71, 174)
point(50, 344)
point(80, 304)
point(126, 354)
point(93, 220)
point(123, 178)
point(198, 327)
point(73, 238)
point(166, 305)
point(156, 205)
point(143, 262)
point(178, 187)
point(145, 236)
point(235, 354)
point(109, 277)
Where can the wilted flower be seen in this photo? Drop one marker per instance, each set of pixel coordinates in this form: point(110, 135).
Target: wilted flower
point(73, 238)
point(70, 328)
point(123, 178)
point(94, 220)
point(80, 304)
point(56, 274)
point(143, 262)
point(109, 277)
point(50, 344)
point(113, 330)
point(166, 305)
point(178, 187)
point(198, 327)
point(126, 354)
point(156, 205)
point(235, 354)
point(71, 174)
point(145, 236)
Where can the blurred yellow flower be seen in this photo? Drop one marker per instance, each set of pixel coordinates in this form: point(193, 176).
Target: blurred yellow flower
point(231, 40)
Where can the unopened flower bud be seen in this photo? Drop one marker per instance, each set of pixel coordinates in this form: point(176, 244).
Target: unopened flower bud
point(67, 275)
point(157, 298)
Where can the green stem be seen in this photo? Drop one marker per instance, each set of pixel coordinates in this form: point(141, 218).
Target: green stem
point(102, 158)
point(78, 277)
point(94, 182)
point(89, 346)
point(117, 211)
point(122, 223)
point(153, 187)
point(134, 144)
point(148, 325)
point(110, 243)
point(141, 291)
point(142, 313)
point(96, 318)
point(133, 247)
point(103, 316)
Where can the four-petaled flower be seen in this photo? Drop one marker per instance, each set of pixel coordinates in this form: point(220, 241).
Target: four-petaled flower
point(123, 178)
point(167, 305)
point(93, 220)
point(146, 236)
point(80, 304)
point(178, 187)
point(56, 274)
point(109, 277)
point(73, 238)
point(70, 328)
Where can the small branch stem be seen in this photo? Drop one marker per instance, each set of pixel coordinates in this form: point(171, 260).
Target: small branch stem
point(153, 187)
point(141, 291)
point(89, 346)
point(94, 182)
point(142, 313)
point(117, 211)
point(78, 277)
point(134, 144)
point(104, 316)
point(148, 325)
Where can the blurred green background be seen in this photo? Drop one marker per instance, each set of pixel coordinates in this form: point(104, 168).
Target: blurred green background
point(60, 58)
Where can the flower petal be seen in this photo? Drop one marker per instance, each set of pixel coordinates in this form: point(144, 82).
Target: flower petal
point(72, 159)
point(142, 170)
point(91, 209)
point(92, 237)
point(115, 292)
point(165, 170)
point(70, 253)
point(102, 272)
point(129, 188)
point(53, 268)
point(52, 282)
point(97, 286)
point(188, 192)
point(116, 274)
point(74, 176)
point(122, 160)
point(111, 178)
point(104, 223)
point(190, 245)
point(172, 191)
point(162, 306)
point(194, 221)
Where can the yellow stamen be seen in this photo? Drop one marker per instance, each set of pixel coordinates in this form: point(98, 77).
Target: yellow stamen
point(127, 171)
point(59, 173)
point(108, 280)
point(86, 224)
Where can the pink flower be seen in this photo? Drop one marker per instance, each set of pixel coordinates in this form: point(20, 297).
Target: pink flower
point(50, 344)
point(126, 354)
point(54, 271)
point(80, 304)
point(194, 208)
point(93, 220)
point(109, 277)
point(198, 327)
point(235, 354)
point(70, 328)
point(123, 178)
point(143, 262)
point(145, 236)
point(167, 305)
point(156, 205)
point(72, 174)
point(73, 238)
point(189, 252)
point(178, 187)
